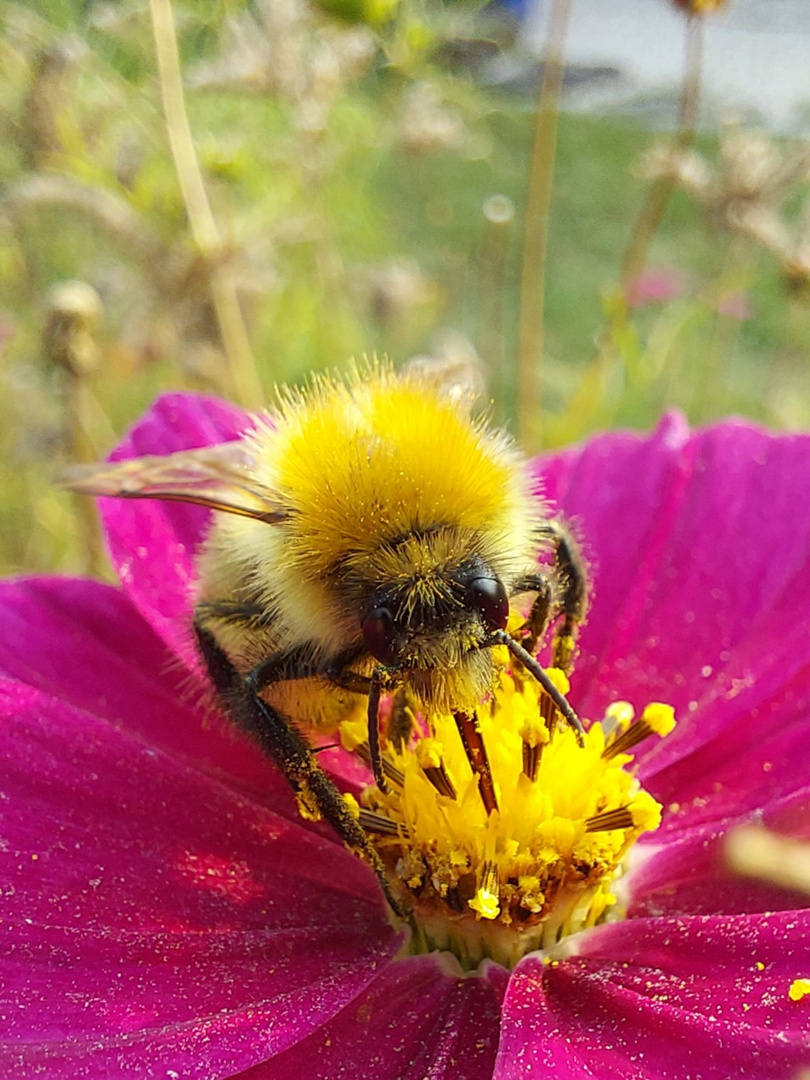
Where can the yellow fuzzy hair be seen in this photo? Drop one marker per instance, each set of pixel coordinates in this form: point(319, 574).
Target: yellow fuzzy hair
point(363, 461)
point(385, 482)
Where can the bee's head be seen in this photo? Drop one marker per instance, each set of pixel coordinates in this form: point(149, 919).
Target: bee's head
point(433, 618)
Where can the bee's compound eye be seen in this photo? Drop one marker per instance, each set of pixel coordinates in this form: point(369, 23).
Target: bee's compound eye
point(487, 596)
point(380, 635)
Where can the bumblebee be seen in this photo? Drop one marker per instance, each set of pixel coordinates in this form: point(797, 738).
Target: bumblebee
point(370, 534)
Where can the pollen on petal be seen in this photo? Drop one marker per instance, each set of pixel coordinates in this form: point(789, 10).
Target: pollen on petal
point(799, 988)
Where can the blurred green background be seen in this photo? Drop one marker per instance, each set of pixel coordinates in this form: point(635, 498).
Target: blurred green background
point(368, 191)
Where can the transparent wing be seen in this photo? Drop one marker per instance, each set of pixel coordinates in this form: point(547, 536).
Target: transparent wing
point(219, 477)
point(455, 372)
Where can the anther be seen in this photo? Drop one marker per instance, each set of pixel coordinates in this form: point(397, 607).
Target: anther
point(428, 754)
point(619, 715)
point(534, 737)
point(487, 900)
point(655, 720)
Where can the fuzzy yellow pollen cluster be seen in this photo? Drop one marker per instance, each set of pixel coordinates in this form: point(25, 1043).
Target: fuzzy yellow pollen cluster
point(660, 719)
point(541, 864)
point(799, 988)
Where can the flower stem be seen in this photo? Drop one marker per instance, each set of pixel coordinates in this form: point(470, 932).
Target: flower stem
point(204, 230)
point(660, 192)
point(69, 347)
point(535, 231)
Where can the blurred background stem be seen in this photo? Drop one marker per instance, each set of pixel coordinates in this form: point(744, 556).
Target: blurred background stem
point(70, 350)
point(660, 192)
point(235, 341)
point(535, 231)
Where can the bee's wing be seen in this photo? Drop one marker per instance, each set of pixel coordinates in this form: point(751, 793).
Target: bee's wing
point(218, 477)
point(457, 373)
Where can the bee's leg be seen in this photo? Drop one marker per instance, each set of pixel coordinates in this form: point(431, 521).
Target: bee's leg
point(569, 600)
point(383, 677)
point(540, 613)
point(374, 751)
point(286, 664)
point(340, 675)
point(572, 593)
point(280, 740)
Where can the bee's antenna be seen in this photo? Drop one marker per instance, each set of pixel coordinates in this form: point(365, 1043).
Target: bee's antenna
point(500, 637)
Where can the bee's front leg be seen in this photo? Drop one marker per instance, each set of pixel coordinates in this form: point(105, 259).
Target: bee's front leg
point(280, 740)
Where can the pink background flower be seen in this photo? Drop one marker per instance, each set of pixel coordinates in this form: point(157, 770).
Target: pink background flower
point(165, 913)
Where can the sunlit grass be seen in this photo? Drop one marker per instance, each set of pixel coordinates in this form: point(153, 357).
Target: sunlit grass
point(351, 234)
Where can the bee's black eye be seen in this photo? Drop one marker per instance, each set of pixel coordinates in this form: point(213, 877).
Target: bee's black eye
point(380, 635)
point(487, 596)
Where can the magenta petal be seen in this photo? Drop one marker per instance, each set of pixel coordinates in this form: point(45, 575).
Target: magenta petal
point(154, 919)
point(691, 600)
point(617, 490)
point(749, 730)
point(667, 522)
point(664, 999)
point(153, 544)
point(761, 759)
point(691, 875)
point(415, 1021)
point(85, 644)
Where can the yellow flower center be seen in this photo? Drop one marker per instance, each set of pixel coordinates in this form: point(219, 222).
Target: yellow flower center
point(502, 834)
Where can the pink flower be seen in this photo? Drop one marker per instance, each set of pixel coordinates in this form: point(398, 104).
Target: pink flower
point(166, 913)
point(654, 286)
point(735, 305)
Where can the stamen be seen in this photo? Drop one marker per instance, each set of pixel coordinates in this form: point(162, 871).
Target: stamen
point(620, 818)
point(429, 755)
point(657, 719)
point(542, 676)
point(534, 736)
point(392, 773)
point(619, 715)
point(499, 876)
point(373, 822)
point(485, 901)
point(476, 753)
